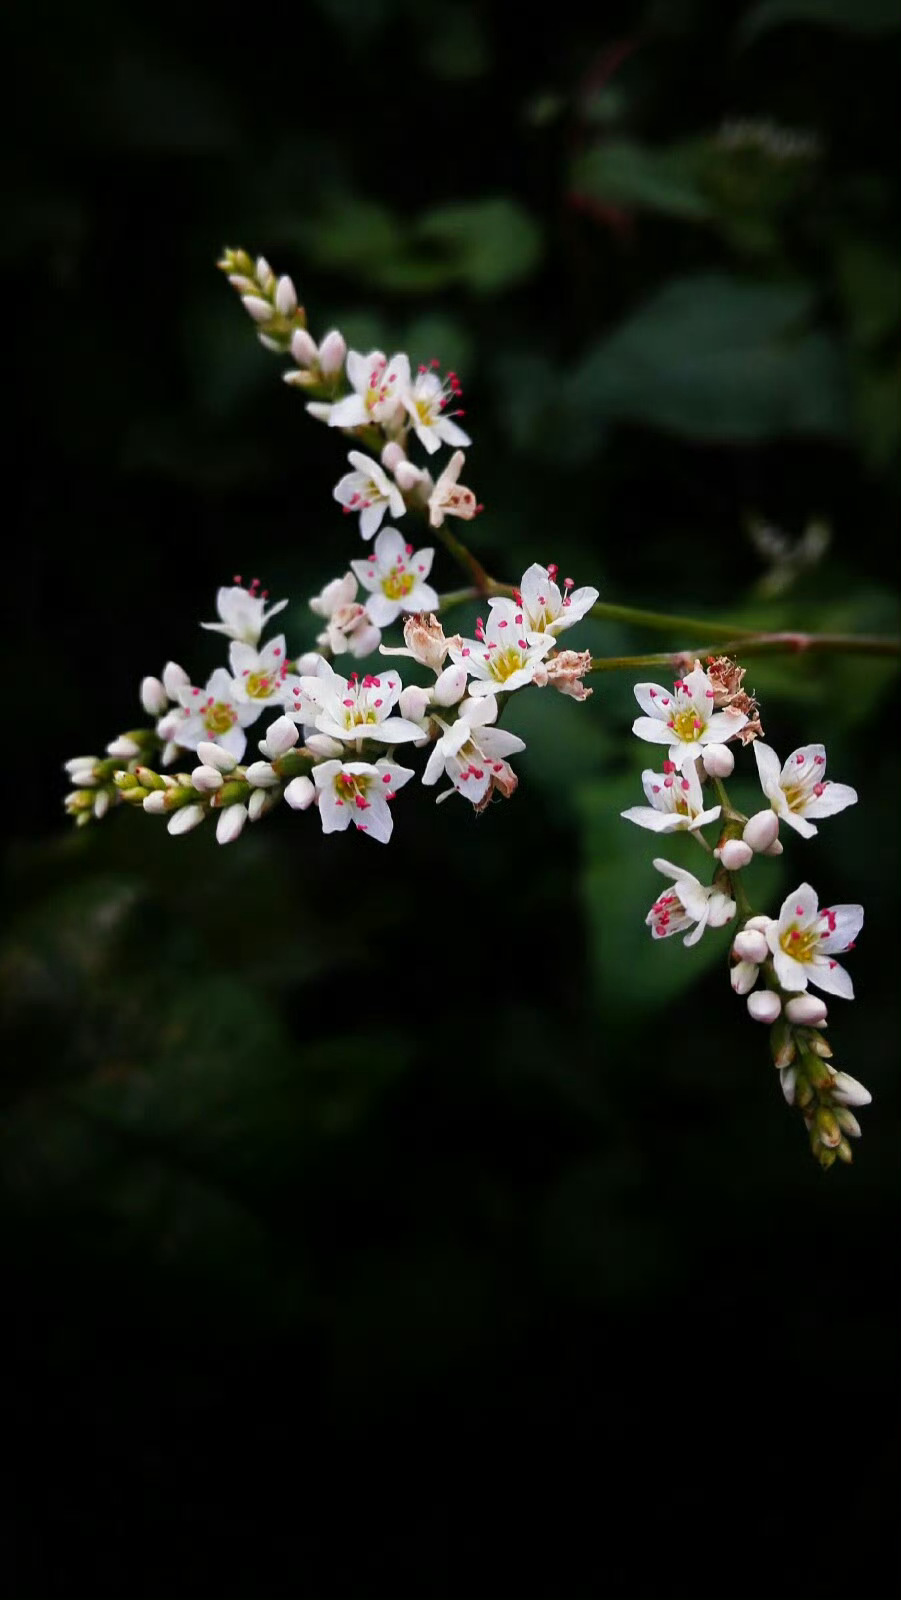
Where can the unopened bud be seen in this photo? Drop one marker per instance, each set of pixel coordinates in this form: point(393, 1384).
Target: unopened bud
point(261, 800)
point(744, 976)
point(844, 1152)
point(761, 830)
point(828, 1130)
point(260, 310)
point(750, 945)
point(847, 1121)
point(413, 702)
point(101, 804)
point(450, 686)
point(262, 776)
point(332, 351)
point(788, 1082)
point(123, 747)
point(213, 755)
point(185, 819)
point(285, 297)
point(782, 1044)
point(174, 678)
point(206, 779)
point(300, 793)
point(303, 348)
point(231, 821)
point(406, 476)
point(775, 849)
point(718, 760)
point(807, 1009)
point(154, 698)
point(366, 638)
point(309, 663)
point(281, 735)
point(846, 1091)
point(323, 745)
point(764, 1005)
point(392, 455)
point(734, 854)
point(155, 803)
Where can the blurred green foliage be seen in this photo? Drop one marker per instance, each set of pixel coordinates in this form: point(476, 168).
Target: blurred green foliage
point(402, 1222)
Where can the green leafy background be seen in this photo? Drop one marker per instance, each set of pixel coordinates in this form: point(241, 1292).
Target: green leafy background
point(401, 1222)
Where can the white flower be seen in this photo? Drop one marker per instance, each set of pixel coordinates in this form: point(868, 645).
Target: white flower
point(472, 754)
point(689, 902)
point(505, 655)
point(447, 497)
point(216, 714)
point(683, 717)
point(800, 790)
point(356, 709)
point(349, 625)
point(243, 613)
point(359, 792)
point(259, 674)
point(804, 940)
point(370, 491)
point(676, 801)
point(394, 574)
point(380, 389)
point(545, 608)
point(426, 401)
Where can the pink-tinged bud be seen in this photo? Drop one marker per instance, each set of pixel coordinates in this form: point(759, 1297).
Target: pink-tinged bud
point(260, 310)
point(264, 273)
point(303, 348)
point(332, 351)
point(365, 639)
point(155, 803)
point(213, 755)
point(309, 663)
point(154, 698)
point(392, 455)
point(123, 747)
point(206, 779)
point(300, 793)
point(413, 702)
point(750, 945)
point(406, 476)
point(285, 297)
point(807, 1009)
point(450, 686)
point(788, 1080)
point(847, 1121)
point(758, 922)
point(734, 854)
point(174, 678)
point(262, 776)
point(184, 820)
point(718, 760)
point(761, 830)
point(281, 735)
point(775, 849)
point(744, 976)
point(764, 1006)
point(846, 1091)
point(231, 821)
point(323, 745)
point(270, 344)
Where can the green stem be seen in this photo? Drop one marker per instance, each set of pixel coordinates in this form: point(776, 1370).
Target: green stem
point(465, 558)
point(758, 644)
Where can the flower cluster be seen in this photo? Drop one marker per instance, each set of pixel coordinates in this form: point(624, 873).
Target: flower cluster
point(330, 740)
point(796, 949)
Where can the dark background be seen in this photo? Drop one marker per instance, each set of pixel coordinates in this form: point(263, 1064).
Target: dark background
point(401, 1222)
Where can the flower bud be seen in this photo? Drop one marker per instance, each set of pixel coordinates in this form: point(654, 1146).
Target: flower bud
point(84, 778)
point(123, 747)
point(775, 849)
point(259, 309)
point(413, 702)
point(154, 698)
point(332, 351)
point(760, 922)
point(734, 854)
point(230, 823)
point(788, 1078)
point(261, 800)
point(303, 348)
point(174, 678)
point(101, 804)
point(365, 639)
point(285, 297)
point(764, 1005)
point(392, 455)
point(806, 1008)
point(750, 945)
point(843, 1151)
point(718, 760)
point(450, 686)
point(270, 344)
point(155, 802)
point(309, 663)
point(206, 779)
point(185, 819)
point(213, 755)
point(281, 735)
point(847, 1121)
point(406, 476)
point(300, 793)
point(782, 1044)
point(262, 776)
point(744, 976)
point(761, 830)
point(323, 745)
point(264, 273)
point(828, 1130)
point(846, 1091)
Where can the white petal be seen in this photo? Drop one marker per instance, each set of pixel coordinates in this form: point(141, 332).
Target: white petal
point(831, 978)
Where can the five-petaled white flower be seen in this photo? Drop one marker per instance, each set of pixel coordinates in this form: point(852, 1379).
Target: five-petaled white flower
point(380, 389)
point(683, 717)
point(243, 612)
point(472, 754)
point(447, 497)
point(676, 801)
point(687, 902)
point(217, 713)
point(359, 792)
point(395, 576)
point(801, 790)
point(260, 675)
point(506, 654)
point(369, 490)
point(348, 623)
point(354, 709)
point(804, 940)
point(426, 401)
point(545, 608)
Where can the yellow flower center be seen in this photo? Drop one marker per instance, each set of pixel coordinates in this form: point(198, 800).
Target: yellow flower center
point(397, 585)
point(220, 717)
point(686, 725)
point(796, 797)
point(800, 946)
point(504, 663)
point(260, 685)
